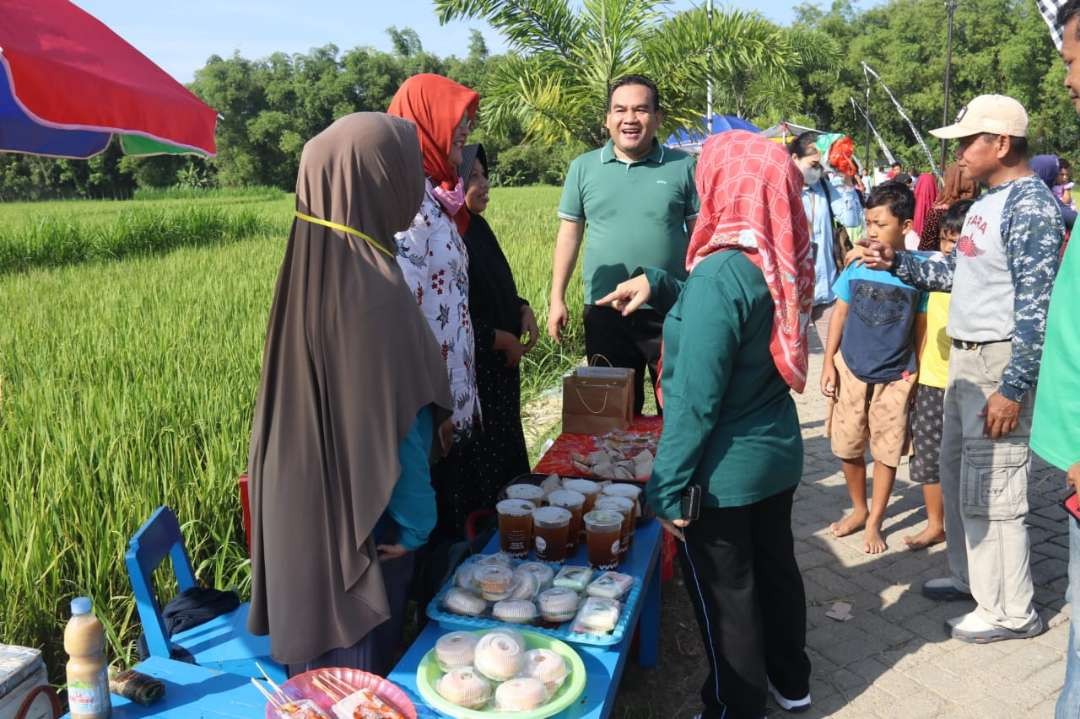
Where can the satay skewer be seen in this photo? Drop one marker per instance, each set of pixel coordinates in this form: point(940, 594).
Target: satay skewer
point(269, 697)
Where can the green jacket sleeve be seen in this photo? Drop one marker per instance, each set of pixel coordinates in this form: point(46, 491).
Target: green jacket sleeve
point(665, 287)
point(696, 378)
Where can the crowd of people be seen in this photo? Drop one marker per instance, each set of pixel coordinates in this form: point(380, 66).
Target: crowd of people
point(389, 408)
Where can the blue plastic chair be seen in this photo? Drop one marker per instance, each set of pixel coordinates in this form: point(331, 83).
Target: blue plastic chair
point(223, 643)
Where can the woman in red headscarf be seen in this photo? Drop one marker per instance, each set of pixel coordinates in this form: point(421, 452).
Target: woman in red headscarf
point(435, 262)
point(734, 347)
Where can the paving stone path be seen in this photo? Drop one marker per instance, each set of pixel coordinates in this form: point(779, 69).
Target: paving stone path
point(894, 659)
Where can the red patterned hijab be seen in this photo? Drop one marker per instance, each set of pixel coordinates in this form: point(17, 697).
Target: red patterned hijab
point(751, 201)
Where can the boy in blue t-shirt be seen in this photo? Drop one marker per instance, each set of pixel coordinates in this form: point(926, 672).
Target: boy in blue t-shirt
point(871, 365)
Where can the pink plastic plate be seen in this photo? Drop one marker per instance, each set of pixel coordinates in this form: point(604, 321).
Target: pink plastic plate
point(303, 686)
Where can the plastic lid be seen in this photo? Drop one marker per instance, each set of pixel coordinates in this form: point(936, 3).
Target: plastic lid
point(622, 490)
point(515, 507)
point(81, 605)
point(524, 491)
point(603, 518)
point(552, 515)
point(623, 504)
point(585, 486)
point(566, 498)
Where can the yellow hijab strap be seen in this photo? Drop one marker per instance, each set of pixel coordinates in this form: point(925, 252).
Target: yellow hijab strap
point(347, 230)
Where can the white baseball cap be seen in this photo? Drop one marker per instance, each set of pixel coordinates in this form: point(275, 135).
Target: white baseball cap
point(994, 114)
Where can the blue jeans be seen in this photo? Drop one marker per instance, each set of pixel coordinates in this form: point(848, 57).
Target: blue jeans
point(1068, 705)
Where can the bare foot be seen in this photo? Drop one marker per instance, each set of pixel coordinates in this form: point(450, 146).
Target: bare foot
point(924, 539)
point(875, 542)
point(850, 524)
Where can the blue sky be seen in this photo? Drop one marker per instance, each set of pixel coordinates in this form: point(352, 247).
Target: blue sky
point(180, 36)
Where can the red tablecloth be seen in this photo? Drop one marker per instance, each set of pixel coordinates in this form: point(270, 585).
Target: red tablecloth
point(557, 461)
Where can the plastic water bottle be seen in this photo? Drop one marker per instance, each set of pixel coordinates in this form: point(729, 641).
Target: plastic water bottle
point(87, 671)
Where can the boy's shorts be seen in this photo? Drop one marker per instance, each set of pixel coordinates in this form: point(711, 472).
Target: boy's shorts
point(861, 411)
point(926, 425)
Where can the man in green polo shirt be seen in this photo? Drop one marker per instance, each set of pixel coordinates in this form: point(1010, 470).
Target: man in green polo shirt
point(638, 201)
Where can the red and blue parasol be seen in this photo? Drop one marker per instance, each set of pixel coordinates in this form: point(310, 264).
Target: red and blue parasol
point(68, 84)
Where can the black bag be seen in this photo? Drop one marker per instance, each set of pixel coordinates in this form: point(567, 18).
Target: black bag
point(188, 609)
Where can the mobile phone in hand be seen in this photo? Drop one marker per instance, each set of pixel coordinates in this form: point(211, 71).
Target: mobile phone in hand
point(691, 503)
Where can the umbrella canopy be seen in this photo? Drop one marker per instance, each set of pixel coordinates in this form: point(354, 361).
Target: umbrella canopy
point(691, 140)
point(68, 84)
point(784, 131)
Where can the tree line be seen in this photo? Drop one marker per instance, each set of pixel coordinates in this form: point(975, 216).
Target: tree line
point(543, 101)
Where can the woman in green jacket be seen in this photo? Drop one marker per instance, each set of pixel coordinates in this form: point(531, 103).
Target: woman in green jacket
point(734, 345)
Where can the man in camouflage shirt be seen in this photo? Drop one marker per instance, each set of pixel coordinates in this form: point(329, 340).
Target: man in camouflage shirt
point(1000, 275)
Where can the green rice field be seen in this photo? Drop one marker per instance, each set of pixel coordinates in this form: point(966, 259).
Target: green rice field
point(130, 345)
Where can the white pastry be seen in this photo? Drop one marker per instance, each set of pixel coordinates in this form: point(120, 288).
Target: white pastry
point(515, 611)
point(544, 574)
point(547, 666)
point(520, 695)
point(464, 687)
point(610, 585)
point(550, 484)
point(494, 581)
point(464, 577)
point(455, 650)
point(558, 604)
point(461, 601)
point(499, 655)
point(573, 578)
point(525, 585)
point(596, 616)
point(501, 558)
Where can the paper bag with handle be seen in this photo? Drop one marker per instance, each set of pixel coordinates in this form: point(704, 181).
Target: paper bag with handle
point(597, 400)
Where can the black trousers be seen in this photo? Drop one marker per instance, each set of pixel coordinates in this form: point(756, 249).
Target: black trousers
point(739, 568)
point(632, 342)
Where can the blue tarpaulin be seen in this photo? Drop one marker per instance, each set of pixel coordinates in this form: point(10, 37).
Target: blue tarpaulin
point(691, 140)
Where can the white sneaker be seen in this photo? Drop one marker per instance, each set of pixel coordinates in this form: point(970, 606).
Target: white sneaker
point(973, 629)
point(789, 705)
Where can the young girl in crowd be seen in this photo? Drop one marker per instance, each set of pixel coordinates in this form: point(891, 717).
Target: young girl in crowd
point(927, 415)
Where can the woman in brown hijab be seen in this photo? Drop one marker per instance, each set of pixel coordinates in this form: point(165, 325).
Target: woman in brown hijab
point(957, 186)
point(352, 384)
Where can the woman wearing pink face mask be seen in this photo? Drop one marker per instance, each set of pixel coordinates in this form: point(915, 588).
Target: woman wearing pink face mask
point(435, 262)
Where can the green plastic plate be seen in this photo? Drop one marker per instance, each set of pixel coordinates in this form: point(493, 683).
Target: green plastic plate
point(429, 673)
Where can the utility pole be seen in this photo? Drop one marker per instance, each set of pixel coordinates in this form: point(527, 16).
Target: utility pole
point(708, 85)
point(950, 7)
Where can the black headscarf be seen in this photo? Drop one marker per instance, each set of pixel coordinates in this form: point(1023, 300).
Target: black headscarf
point(493, 298)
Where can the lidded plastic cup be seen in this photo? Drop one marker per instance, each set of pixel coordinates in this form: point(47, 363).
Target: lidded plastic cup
point(587, 487)
point(584, 486)
point(625, 506)
point(515, 507)
point(551, 532)
point(515, 526)
point(618, 489)
point(566, 498)
point(575, 502)
point(551, 517)
point(603, 533)
point(529, 492)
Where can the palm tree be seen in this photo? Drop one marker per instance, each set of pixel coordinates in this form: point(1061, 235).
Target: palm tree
point(555, 82)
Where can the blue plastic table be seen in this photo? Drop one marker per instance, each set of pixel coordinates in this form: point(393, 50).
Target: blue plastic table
point(193, 692)
point(603, 665)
